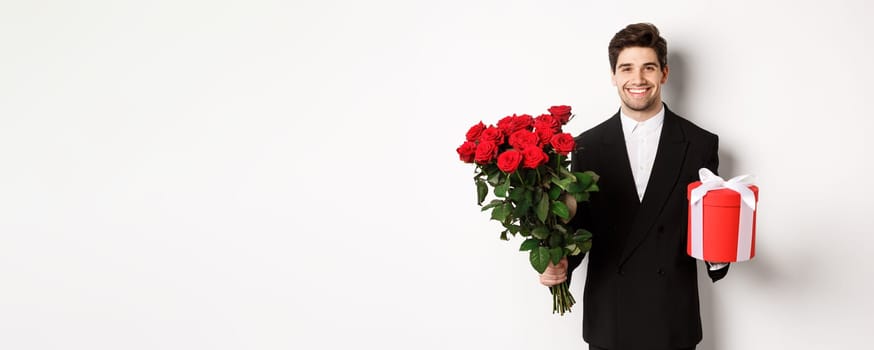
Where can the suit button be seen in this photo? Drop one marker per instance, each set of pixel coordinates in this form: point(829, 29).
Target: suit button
point(660, 271)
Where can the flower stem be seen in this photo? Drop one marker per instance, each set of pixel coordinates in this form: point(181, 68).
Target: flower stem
point(562, 300)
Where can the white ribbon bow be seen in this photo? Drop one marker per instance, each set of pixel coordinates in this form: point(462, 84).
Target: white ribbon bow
point(709, 182)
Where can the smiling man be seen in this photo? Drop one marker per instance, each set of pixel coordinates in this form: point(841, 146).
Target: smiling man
point(639, 75)
point(641, 289)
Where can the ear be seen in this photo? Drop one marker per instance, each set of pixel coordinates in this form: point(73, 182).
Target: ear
point(665, 72)
point(613, 77)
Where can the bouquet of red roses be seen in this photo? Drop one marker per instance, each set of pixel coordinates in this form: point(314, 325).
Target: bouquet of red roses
point(524, 160)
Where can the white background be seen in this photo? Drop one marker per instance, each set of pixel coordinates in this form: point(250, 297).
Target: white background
point(282, 175)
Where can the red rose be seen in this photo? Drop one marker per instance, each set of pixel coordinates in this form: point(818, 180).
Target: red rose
point(562, 113)
point(547, 121)
point(523, 139)
point(475, 131)
point(485, 152)
point(492, 135)
point(467, 151)
point(562, 143)
point(544, 134)
point(514, 123)
point(505, 123)
point(534, 157)
point(524, 122)
point(509, 160)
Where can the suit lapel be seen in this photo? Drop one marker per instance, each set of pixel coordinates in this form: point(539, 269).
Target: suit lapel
point(619, 173)
point(669, 159)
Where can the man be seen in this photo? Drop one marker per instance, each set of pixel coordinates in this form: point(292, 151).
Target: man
point(641, 288)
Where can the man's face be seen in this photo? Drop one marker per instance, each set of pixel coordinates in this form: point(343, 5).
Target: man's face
point(639, 80)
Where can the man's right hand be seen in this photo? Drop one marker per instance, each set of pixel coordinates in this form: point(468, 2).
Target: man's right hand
point(554, 274)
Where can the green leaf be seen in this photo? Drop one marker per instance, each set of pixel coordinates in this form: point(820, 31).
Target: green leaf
point(556, 254)
point(556, 240)
point(529, 244)
point(522, 197)
point(540, 232)
point(581, 235)
point(581, 197)
point(539, 259)
point(583, 240)
point(522, 207)
point(593, 188)
point(501, 212)
point(575, 187)
point(595, 177)
point(501, 190)
point(573, 249)
point(560, 209)
point(492, 204)
point(494, 175)
point(563, 183)
point(509, 208)
point(554, 192)
point(517, 194)
point(586, 246)
point(584, 178)
point(566, 173)
point(481, 191)
point(504, 236)
point(542, 208)
point(514, 229)
point(508, 228)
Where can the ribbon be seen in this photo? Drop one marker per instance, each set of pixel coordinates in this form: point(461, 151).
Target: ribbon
point(710, 182)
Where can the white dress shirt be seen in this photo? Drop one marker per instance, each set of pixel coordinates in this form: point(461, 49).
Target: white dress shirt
point(642, 142)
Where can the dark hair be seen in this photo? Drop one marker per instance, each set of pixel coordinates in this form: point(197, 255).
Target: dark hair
point(638, 35)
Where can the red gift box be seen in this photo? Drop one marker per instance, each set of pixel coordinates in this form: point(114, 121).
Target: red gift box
point(725, 231)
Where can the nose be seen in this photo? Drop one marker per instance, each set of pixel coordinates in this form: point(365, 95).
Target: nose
point(639, 77)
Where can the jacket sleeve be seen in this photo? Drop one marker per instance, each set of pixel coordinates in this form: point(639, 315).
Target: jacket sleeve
point(573, 263)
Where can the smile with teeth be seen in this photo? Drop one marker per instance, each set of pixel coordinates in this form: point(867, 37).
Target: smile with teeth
point(637, 91)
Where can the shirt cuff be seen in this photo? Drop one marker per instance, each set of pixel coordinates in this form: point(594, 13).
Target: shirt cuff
point(717, 266)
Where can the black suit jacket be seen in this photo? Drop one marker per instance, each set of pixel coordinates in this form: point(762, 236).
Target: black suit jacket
point(641, 288)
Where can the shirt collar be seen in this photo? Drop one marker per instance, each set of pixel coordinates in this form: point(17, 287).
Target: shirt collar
point(630, 125)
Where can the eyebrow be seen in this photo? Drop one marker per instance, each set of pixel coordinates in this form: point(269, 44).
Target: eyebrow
point(645, 64)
